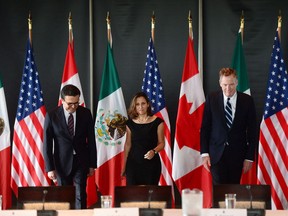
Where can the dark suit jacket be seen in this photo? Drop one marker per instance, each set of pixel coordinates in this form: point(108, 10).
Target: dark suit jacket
point(56, 131)
point(242, 136)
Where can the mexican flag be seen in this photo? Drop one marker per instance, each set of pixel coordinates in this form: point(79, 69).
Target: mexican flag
point(5, 151)
point(110, 128)
point(239, 64)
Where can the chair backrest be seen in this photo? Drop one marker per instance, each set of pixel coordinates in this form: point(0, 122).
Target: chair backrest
point(260, 194)
point(143, 196)
point(46, 197)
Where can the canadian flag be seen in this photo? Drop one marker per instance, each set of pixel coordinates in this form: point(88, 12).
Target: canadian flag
point(71, 76)
point(187, 170)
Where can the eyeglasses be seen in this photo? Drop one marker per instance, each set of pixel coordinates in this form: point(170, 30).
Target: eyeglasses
point(72, 104)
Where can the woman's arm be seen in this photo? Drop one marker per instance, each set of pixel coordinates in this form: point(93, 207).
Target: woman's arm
point(161, 139)
point(127, 147)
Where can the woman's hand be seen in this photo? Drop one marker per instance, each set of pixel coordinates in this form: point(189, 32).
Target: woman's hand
point(149, 155)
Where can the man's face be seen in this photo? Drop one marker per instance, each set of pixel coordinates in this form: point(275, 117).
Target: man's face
point(71, 103)
point(228, 85)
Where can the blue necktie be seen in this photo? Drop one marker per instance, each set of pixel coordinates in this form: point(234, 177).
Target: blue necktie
point(228, 113)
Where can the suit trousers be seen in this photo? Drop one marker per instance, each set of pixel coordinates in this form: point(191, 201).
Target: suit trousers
point(78, 178)
point(227, 170)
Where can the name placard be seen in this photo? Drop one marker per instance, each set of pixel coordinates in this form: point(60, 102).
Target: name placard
point(116, 212)
point(223, 212)
point(18, 213)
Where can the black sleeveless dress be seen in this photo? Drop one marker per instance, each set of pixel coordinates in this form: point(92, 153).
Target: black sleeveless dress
point(140, 171)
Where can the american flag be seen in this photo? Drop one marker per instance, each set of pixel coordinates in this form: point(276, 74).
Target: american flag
point(153, 87)
point(27, 157)
point(273, 143)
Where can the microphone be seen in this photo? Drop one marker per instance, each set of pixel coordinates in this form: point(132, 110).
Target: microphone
point(251, 211)
point(149, 197)
point(150, 211)
point(248, 187)
point(45, 192)
point(44, 212)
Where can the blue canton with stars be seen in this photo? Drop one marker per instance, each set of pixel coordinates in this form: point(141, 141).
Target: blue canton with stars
point(277, 90)
point(31, 96)
point(152, 82)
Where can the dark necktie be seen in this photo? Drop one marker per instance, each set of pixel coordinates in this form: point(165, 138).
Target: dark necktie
point(228, 113)
point(71, 124)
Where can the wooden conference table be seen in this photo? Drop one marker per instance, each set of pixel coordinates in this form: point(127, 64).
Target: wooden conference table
point(89, 212)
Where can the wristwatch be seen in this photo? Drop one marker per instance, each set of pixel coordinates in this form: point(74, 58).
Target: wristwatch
point(155, 152)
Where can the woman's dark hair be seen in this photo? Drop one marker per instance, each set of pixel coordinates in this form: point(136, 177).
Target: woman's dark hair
point(132, 113)
point(69, 90)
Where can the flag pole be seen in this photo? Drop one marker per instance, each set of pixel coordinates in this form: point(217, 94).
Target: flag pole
point(242, 25)
point(152, 26)
point(279, 25)
point(30, 27)
point(70, 29)
point(108, 20)
point(190, 25)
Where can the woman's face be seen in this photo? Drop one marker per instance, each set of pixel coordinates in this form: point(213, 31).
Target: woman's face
point(141, 106)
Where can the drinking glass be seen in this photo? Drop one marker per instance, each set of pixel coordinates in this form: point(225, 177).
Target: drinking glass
point(192, 202)
point(106, 201)
point(230, 201)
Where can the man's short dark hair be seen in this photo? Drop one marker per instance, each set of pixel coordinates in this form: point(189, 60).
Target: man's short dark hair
point(69, 90)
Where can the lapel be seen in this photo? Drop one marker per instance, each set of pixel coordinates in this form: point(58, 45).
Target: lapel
point(62, 120)
point(237, 106)
point(221, 108)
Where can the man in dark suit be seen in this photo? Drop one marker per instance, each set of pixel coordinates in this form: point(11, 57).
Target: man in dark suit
point(228, 132)
point(69, 144)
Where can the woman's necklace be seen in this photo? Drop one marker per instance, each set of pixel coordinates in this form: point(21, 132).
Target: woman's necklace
point(144, 120)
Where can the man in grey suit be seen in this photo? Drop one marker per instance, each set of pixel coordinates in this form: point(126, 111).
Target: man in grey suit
point(69, 144)
point(228, 131)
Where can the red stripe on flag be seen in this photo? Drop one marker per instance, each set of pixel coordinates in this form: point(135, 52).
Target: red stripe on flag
point(5, 190)
point(23, 154)
point(267, 180)
point(274, 167)
point(109, 173)
point(70, 65)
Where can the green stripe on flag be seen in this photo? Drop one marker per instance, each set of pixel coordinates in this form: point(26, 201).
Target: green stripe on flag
point(239, 64)
point(110, 80)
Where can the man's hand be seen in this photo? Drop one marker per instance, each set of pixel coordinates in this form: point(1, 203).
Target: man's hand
point(206, 162)
point(52, 175)
point(91, 172)
point(247, 166)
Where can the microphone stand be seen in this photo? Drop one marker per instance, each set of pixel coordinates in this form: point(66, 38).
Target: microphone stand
point(251, 211)
point(44, 212)
point(150, 211)
point(149, 197)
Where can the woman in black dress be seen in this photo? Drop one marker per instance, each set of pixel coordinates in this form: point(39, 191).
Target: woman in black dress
point(144, 139)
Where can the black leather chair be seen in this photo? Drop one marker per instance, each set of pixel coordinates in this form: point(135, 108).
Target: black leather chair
point(257, 195)
point(46, 197)
point(143, 196)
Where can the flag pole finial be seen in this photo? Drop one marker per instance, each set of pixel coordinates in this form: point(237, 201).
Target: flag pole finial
point(279, 25)
point(242, 21)
point(190, 24)
point(153, 25)
point(70, 27)
point(70, 21)
point(30, 27)
point(108, 20)
point(279, 19)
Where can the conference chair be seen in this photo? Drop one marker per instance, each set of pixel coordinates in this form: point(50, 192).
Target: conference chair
point(247, 196)
point(143, 196)
point(46, 198)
